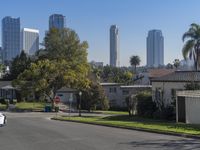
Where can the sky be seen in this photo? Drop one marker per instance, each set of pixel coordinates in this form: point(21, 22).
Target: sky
point(91, 19)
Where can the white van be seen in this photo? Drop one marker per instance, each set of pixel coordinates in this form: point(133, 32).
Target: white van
point(3, 119)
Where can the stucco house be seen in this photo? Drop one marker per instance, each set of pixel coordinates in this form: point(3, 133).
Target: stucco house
point(164, 88)
point(117, 93)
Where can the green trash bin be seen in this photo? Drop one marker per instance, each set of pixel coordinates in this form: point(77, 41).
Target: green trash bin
point(48, 108)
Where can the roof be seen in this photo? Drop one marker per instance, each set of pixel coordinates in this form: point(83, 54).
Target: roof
point(154, 73)
point(136, 86)
point(179, 76)
point(5, 83)
point(189, 93)
point(110, 84)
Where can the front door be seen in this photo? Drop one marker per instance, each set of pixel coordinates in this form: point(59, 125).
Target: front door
point(181, 109)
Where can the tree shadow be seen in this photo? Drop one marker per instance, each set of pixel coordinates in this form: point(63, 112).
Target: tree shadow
point(180, 144)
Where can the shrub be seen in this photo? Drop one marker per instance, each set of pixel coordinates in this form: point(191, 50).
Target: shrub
point(145, 106)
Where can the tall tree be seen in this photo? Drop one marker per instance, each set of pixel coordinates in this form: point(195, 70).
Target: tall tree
point(176, 63)
point(18, 65)
point(134, 61)
point(63, 63)
point(191, 47)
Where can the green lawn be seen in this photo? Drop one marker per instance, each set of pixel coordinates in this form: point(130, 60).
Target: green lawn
point(30, 106)
point(137, 122)
point(113, 112)
point(2, 107)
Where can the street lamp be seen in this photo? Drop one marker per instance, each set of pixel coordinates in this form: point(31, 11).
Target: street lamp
point(80, 93)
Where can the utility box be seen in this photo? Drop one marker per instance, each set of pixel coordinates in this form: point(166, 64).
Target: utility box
point(188, 107)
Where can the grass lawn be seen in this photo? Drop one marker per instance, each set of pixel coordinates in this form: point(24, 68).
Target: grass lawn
point(30, 106)
point(2, 107)
point(112, 112)
point(137, 122)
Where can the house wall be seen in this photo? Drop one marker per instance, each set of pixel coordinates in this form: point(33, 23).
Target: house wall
point(167, 87)
point(192, 105)
point(118, 97)
point(65, 96)
point(113, 95)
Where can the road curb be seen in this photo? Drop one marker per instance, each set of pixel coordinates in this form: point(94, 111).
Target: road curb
point(133, 128)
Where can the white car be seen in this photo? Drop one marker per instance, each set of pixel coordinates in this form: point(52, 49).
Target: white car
point(3, 120)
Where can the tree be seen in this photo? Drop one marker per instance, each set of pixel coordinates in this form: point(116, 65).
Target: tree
point(176, 63)
point(94, 97)
point(18, 65)
point(63, 63)
point(169, 66)
point(192, 45)
point(131, 102)
point(192, 86)
point(134, 61)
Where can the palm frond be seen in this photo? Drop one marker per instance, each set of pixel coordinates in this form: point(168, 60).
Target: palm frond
point(188, 47)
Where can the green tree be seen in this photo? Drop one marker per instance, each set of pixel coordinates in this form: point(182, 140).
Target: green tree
point(94, 97)
point(134, 61)
point(176, 63)
point(18, 65)
point(192, 86)
point(192, 45)
point(63, 63)
point(114, 74)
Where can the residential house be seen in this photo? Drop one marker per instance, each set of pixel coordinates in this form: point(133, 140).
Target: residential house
point(117, 92)
point(164, 88)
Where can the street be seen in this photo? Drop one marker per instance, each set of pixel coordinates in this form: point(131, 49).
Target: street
point(35, 131)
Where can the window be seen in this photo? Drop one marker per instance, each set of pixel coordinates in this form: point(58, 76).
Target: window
point(125, 92)
point(113, 90)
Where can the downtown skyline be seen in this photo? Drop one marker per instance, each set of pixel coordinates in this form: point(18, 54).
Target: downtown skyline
point(92, 21)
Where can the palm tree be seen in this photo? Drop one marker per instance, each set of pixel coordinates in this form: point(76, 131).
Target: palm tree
point(191, 47)
point(176, 63)
point(134, 61)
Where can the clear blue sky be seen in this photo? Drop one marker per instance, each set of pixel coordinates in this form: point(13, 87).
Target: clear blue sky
point(91, 19)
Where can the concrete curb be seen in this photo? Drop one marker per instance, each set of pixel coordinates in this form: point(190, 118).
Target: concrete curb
point(134, 128)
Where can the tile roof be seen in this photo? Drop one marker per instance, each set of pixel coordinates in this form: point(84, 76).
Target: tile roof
point(180, 76)
point(154, 73)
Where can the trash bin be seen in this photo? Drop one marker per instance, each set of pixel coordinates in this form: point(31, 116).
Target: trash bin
point(47, 108)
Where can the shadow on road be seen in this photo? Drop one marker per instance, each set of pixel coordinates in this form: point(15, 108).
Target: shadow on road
point(187, 144)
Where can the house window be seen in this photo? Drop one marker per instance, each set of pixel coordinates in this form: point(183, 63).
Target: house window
point(113, 90)
point(125, 92)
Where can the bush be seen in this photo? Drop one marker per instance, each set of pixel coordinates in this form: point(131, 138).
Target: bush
point(2, 101)
point(145, 106)
point(166, 113)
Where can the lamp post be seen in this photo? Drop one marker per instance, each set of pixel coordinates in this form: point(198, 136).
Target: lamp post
point(79, 106)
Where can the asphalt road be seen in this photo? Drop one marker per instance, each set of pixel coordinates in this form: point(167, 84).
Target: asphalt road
point(36, 132)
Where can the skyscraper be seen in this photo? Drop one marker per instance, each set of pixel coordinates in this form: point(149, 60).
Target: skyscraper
point(155, 48)
point(29, 40)
point(10, 38)
point(57, 21)
point(114, 46)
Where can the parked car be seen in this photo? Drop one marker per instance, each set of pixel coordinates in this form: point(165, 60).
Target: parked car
point(3, 120)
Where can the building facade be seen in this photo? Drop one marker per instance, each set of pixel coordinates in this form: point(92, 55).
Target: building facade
point(10, 38)
point(117, 93)
point(155, 48)
point(29, 40)
point(57, 21)
point(114, 46)
point(164, 88)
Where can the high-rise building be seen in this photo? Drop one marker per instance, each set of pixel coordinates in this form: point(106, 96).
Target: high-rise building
point(114, 46)
point(57, 21)
point(29, 40)
point(10, 38)
point(155, 48)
